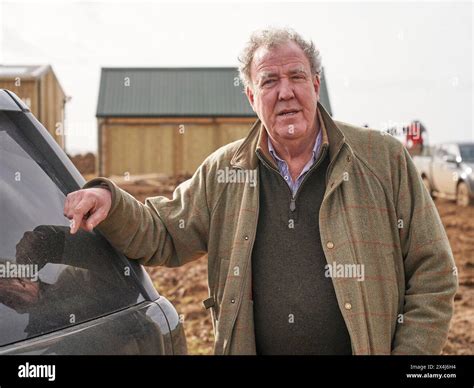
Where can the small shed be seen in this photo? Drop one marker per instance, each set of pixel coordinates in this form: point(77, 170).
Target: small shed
point(167, 120)
point(40, 90)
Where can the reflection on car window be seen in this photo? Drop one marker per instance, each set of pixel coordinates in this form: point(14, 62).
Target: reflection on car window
point(50, 279)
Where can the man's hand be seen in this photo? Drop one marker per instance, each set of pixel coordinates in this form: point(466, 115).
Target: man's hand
point(87, 208)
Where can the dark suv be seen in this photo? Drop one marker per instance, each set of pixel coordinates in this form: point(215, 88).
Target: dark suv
point(63, 293)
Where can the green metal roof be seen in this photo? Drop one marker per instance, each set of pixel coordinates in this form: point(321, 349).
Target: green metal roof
point(176, 92)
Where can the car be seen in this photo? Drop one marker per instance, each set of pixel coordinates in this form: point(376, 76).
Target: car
point(447, 171)
point(61, 293)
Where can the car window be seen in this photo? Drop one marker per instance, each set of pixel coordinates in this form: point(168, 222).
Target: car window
point(50, 279)
point(467, 152)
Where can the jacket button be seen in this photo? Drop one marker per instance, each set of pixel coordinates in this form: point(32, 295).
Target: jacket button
point(347, 306)
point(246, 237)
point(330, 244)
point(232, 301)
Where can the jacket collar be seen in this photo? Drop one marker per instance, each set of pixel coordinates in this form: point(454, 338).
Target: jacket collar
point(246, 155)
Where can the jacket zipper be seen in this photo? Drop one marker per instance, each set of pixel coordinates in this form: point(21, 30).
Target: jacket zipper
point(294, 197)
point(292, 208)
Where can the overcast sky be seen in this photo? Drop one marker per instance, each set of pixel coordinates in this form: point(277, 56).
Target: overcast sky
point(385, 63)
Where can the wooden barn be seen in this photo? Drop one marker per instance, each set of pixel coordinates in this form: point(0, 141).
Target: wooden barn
point(167, 120)
point(41, 91)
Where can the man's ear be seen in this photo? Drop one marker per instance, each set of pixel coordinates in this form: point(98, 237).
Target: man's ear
point(317, 84)
point(250, 96)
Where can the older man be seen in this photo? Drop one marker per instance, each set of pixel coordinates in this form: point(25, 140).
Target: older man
point(337, 248)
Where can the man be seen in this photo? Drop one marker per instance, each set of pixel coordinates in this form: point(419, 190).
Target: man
point(335, 248)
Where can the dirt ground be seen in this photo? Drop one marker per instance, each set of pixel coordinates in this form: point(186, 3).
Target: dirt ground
point(85, 163)
point(186, 287)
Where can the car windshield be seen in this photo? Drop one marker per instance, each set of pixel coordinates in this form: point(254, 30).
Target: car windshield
point(50, 279)
point(467, 152)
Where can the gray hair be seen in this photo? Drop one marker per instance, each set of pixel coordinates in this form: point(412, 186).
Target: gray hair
point(272, 37)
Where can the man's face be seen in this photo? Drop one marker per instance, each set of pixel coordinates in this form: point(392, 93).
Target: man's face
point(284, 94)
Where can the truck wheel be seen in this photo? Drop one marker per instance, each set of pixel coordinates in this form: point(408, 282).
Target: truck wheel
point(463, 195)
point(427, 184)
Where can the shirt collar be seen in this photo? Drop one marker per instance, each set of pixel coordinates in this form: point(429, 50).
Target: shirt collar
point(317, 145)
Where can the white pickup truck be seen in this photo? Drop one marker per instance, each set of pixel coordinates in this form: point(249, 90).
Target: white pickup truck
point(447, 171)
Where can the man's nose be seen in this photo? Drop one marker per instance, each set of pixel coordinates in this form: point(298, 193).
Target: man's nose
point(285, 91)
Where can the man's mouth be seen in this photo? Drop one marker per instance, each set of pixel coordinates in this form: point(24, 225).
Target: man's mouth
point(288, 113)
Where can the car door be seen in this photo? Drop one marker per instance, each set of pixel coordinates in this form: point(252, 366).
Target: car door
point(438, 168)
point(56, 287)
point(453, 157)
point(443, 171)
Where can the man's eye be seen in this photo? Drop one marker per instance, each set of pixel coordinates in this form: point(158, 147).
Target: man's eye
point(267, 82)
point(298, 77)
